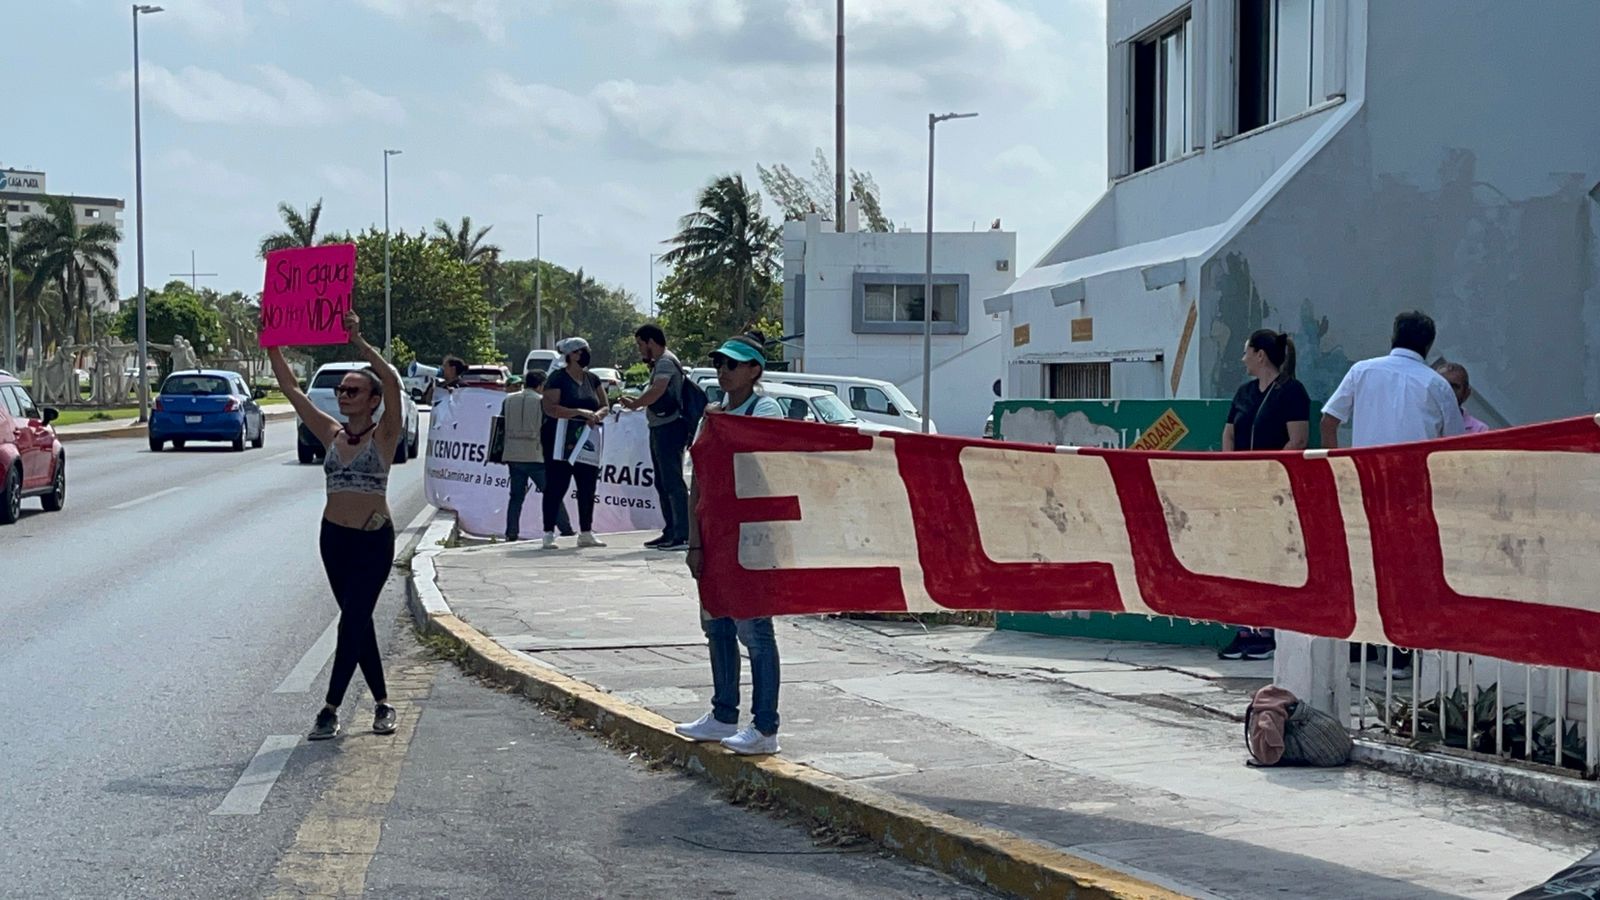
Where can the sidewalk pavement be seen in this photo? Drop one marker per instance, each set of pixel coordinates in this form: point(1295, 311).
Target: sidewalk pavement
point(130, 428)
point(1123, 754)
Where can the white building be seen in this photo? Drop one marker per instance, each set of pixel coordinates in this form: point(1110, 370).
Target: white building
point(855, 299)
point(1315, 166)
point(22, 194)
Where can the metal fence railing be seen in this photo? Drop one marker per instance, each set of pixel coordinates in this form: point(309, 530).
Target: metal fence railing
point(1542, 715)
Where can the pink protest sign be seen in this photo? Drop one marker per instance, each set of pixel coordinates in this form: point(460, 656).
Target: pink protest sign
point(306, 294)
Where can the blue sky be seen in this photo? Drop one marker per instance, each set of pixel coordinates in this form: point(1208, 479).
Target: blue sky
point(605, 115)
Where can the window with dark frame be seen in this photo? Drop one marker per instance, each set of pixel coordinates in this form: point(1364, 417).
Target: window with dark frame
point(1279, 59)
point(1163, 76)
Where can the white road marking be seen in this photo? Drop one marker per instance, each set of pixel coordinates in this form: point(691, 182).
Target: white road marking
point(299, 679)
point(253, 786)
point(146, 499)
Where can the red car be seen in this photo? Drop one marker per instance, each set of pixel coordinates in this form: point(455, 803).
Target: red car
point(32, 461)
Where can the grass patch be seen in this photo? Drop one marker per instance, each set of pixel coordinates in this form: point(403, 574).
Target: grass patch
point(440, 646)
point(80, 416)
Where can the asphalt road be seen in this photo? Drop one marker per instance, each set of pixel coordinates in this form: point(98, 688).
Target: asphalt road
point(147, 627)
point(160, 661)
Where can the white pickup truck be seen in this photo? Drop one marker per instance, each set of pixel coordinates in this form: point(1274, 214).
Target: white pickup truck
point(320, 392)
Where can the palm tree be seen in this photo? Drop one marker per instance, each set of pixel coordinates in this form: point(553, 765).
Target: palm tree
point(301, 230)
point(62, 252)
point(728, 241)
point(465, 244)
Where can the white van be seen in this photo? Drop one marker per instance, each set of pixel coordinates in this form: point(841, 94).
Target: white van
point(872, 399)
point(549, 360)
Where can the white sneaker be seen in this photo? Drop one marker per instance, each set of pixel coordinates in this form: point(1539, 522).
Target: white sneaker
point(706, 728)
point(750, 742)
point(587, 539)
point(549, 540)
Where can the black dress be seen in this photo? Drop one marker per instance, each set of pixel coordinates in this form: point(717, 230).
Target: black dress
point(1260, 419)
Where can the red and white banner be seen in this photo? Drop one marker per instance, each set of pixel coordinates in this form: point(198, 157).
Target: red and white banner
point(1483, 544)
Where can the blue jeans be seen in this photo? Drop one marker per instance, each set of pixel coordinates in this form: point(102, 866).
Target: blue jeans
point(724, 637)
point(521, 474)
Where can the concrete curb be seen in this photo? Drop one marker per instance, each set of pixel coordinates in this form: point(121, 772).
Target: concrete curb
point(139, 431)
point(989, 857)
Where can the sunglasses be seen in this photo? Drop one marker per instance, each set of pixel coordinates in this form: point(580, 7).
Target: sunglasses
point(725, 362)
point(349, 393)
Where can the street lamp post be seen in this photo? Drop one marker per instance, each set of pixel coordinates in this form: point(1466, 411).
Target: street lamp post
point(653, 258)
point(538, 299)
point(388, 312)
point(138, 200)
point(927, 288)
point(11, 296)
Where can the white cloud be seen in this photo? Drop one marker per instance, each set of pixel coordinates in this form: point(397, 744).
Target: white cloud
point(281, 99)
point(208, 176)
point(549, 112)
point(1025, 160)
point(211, 18)
point(487, 17)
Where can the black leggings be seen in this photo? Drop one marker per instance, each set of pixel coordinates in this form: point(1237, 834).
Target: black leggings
point(357, 563)
point(558, 476)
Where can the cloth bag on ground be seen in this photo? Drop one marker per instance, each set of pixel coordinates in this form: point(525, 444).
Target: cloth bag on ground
point(1279, 730)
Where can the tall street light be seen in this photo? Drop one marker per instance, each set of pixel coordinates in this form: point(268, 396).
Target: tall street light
point(927, 289)
point(538, 299)
point(653, 258)
point(138, 200)
point(11, 296)
point(388, 312)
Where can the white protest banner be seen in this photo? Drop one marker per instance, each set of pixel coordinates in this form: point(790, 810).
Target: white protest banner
point(460, 477)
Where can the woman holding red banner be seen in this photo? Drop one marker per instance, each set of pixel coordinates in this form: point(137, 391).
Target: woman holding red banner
point(740, 362)
point(357, 539)
point(1271, 411)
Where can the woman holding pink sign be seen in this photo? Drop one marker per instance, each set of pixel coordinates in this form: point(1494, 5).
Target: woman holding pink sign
point(357, 539)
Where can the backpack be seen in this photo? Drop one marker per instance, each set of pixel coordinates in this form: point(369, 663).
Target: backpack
point(1309, 736)
point(691, 401)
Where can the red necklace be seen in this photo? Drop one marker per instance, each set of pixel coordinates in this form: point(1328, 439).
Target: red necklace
point(355, 439)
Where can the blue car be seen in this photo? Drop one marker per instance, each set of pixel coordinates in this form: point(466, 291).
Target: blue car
point(207, 405)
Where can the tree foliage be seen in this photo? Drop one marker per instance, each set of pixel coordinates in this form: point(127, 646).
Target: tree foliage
point(175, 310)
point(574, 304)
point(727, 254)
point(697, 318)
point(438, 301)
point(299, 230)
point(797, 197)
point(59, 252)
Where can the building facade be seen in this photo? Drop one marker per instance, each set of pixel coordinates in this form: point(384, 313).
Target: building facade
point(1316, 166)
point(22, 195)
point(854, 301)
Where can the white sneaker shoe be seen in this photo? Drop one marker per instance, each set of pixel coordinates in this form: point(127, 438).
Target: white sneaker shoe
point(750, 742)
point(706, 728)
point(587, 539)
point(549, 541)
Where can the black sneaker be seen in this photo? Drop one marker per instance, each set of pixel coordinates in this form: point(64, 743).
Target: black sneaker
point(658, 543)
point(326, 727)
point(1235, 648)
point(675, 545)
point(384, 719)
point(567, 532)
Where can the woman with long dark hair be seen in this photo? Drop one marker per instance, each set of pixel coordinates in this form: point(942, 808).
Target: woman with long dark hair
point(575, 394)
point(357, 540)
point(1270, 411)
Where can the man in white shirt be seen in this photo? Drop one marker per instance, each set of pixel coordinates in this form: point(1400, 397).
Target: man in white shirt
point(1396, 398)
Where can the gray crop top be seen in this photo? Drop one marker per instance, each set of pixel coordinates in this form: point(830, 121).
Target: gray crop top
point(365, 474)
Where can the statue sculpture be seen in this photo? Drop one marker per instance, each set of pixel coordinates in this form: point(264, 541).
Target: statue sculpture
point(59, 377)
point(183, 354)
point(110, 382)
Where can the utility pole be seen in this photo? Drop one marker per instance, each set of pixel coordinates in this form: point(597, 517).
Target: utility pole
point(388, 307)
point(653, 258)
point(927, 287)
point(138, 199)
point(838, 122)
point(538, 299)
